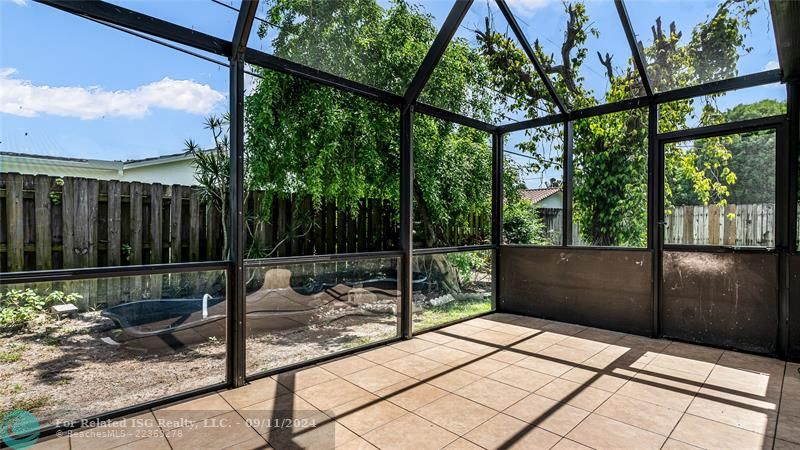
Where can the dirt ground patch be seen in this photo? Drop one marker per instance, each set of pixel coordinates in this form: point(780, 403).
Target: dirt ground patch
point(62, 370)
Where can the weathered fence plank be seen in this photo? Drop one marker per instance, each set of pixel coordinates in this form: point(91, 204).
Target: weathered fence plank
point(14, 210)
point(156, 225)
point(114, 239)
point(44, 240)
point(194, 225)
point(730, 225)
point(175, 218)
point(713, 224)
point(94, 223)
point(135, 253)
point(91, 218)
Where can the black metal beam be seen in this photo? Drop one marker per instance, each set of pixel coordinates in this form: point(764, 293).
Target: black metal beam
point(742, 126)
point(786, 213)
point(785, 17)
point(498, 195)
point(638, 57)
point(532, 123)
point(588, 248)
point(108, 272)
point(498, 202)
point(307, 259)
point(111, 14)
point(793, 115)
point(716, 87)
point(655, 212)
point(609, 108)
point(127, 18)
point(244, 24)
point(444, 114)
point(526, 46)
point(406, 218)
point(458, 249)
point(782, 244)
point(277, 64)
point(159, 41)
point(566, 183)
point(236, 307)
point(439, 45)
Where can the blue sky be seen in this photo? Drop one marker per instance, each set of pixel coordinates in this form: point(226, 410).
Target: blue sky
point(71, 87)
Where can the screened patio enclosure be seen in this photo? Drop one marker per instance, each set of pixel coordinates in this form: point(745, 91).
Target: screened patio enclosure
point(356, 182)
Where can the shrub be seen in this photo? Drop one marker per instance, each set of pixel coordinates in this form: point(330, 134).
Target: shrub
point(522, 224)
point(18, 308)
point(466, 263)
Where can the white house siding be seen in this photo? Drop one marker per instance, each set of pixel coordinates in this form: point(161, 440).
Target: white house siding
point(177, 172)
point(553, 201)
point(172, 171)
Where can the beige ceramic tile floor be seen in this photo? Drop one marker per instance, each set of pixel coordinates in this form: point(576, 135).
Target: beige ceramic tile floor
point(500, 381)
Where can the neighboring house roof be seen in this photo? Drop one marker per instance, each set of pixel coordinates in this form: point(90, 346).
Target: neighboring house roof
point(176, 168)
point(537, 195)
point(104, 164)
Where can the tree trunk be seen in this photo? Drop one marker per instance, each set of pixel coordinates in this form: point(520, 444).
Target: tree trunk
point(439, 268)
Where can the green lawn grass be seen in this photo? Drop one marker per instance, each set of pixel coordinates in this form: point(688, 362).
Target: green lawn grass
point(457, 309)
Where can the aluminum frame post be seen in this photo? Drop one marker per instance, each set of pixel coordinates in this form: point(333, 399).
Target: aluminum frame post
point(566, 183)
point(655, 211)
point(236, 277)
point(498, 197)
point(406, 218)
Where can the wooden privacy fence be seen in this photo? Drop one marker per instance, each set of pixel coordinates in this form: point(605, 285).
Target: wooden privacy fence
point(553, 226)
point(734, 225)
point(53, 223)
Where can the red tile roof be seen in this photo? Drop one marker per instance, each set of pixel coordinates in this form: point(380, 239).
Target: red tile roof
point(537, 195)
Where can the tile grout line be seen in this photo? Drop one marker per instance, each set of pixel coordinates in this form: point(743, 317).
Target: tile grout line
point(555, 378)
point(478, 357)
point(534, 392)
point(780, 401)
point(690, 403)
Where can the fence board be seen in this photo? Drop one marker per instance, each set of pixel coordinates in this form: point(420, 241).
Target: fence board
point(194, 225)
point(713, 224)
point(213, 233)
point(91, 219)
point(175, 218)
point(114, 223)
point(15, 219)
point(730, 225)
point(281, 226)
point(135, 253)
point(156, 212)
point(44, 241)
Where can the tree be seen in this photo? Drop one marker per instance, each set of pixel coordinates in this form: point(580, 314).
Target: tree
point(307, 139)
point(212, 171)
point(610, 151)
point(753, 155)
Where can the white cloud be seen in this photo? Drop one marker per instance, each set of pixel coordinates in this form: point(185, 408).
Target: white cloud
point(526, 7)
point(20, 2)
point(250, 83)
point(23, 98)
point(772, 65)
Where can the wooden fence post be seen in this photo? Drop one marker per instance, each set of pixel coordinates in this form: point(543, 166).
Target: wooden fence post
point(194, 225)
point(44, 235)
point(730, 225)
point(175, 209)
point(16, 225)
